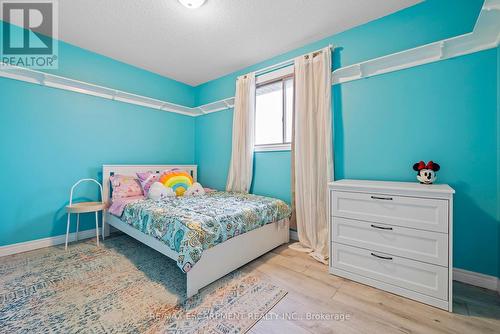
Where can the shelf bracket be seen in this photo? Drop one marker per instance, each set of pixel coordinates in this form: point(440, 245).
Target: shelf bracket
point(442, 49)
point(43, 79)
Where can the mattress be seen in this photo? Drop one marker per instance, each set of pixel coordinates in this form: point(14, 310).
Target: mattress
point(191, 225)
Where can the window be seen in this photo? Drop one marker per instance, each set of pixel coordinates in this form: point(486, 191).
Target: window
point(273, 114)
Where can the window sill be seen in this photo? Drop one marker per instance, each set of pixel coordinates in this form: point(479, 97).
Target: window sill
point(273, 147)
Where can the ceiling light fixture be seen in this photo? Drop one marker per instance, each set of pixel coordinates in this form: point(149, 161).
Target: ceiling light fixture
point(192, 4)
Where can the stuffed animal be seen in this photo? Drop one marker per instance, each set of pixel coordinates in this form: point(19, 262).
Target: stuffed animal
point(426, 174)
point(195, 190)
point(158, 191)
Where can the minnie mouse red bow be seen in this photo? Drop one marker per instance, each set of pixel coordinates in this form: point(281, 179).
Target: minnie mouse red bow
point(421, 165)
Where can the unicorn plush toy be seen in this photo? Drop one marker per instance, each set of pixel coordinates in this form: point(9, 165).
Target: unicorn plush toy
point(158, 191)
point(195, 190)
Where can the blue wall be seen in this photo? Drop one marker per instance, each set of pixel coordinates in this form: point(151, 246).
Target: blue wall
point(90, 67)
point(498, 154)
point(50, 138)
point(445, 111)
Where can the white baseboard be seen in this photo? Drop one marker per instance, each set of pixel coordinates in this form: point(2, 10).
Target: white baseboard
point(477, 279)
point(45, 242)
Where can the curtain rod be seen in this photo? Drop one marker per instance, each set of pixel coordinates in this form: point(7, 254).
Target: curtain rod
point(282, 64)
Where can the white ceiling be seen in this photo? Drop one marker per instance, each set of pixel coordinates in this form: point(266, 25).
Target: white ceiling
point(195, 46)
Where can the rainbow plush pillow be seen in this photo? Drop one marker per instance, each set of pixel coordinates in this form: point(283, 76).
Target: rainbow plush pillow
point(178, 180)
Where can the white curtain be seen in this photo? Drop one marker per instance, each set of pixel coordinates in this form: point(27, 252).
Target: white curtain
point(313, 151)
point(239, 178)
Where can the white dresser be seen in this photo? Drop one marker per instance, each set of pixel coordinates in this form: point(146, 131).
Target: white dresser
point(395, 236)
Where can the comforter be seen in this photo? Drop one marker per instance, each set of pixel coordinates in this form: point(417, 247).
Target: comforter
point(190, 225)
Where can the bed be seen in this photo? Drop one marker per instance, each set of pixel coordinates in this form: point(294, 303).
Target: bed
point(216, 257)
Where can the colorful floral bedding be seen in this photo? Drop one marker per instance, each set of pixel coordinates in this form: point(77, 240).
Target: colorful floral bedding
point(190, 225)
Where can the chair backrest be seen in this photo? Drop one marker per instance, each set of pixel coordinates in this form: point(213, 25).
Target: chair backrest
point(80, 181)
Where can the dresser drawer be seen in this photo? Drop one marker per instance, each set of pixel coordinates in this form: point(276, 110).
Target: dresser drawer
point(414, 244)
point(417, 276)
point(421, 213)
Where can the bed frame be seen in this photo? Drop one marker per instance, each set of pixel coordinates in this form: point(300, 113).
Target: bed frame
point(216, 261)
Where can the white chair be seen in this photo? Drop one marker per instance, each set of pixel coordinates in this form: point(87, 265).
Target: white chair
point(83, 207)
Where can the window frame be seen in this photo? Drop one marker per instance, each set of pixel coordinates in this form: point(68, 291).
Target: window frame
point(281, 75)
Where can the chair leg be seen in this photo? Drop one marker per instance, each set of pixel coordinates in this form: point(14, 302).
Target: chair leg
point(104, 226)
point(67, 232)
point(77, 225)
point(97, 227)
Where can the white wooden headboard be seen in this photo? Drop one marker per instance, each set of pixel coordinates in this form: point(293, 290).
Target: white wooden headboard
point(108, 170)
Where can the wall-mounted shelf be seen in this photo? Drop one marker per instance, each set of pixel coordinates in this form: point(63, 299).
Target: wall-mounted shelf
point(486, 35)
point(76, 86)
point(216, 106)
point(55, 81)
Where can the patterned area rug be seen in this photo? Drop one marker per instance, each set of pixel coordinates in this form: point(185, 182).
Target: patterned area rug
point(122, 287)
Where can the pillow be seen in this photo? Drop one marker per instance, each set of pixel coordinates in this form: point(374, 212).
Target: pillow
point(125, 186)
point(147, 179)
point(178, 180)
point(158, 191)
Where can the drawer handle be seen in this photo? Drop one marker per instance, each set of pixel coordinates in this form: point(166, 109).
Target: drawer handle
point(381, 227)
point(381, 257)
point(382, 198)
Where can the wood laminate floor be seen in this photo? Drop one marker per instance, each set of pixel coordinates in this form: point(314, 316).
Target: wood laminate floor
point(318, 302)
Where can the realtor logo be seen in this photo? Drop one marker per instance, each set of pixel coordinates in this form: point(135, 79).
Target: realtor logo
point(29, 33)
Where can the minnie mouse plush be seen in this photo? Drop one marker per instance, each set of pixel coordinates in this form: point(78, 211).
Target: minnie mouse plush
point(426, 173)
